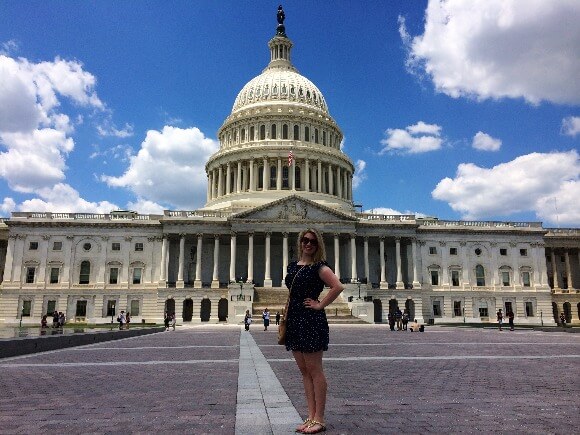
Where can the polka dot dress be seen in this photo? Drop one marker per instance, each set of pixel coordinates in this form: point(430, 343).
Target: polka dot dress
point(306, 329)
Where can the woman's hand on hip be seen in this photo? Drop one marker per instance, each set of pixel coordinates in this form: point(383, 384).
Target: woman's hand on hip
point(313, 304)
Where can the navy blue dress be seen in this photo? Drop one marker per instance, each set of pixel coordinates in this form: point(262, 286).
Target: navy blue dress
point(306, 329)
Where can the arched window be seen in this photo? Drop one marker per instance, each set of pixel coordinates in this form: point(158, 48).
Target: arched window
point(273, 131)
point(85, 272)
point(315, 135)
point(285, 183)
point(243, 135)
point(262, 132)
point(235, 136)
point(252, 131)
point(261, 177)
point(285, 131)
point(480, 275)
point(307, 134)
point(296, 132)
point(324, 138)
point(273, 171)
point(297, 175)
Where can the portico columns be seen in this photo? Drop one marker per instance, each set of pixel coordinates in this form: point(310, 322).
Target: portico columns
point(279, 175)
point(163, 265)
point(233, 257)
point(284, 253)
point(307, 176)
point(465, 265)
point(384, 283)
point(568, 270)
point(416, 282)
point(556, 284)
point(319, 178)
point(336, 256)
point(353, 272)
point(228, 178)
point(515, 267)
point(197, 283)
point(250, 257)
point(330, 180)
point(252, 181)
point(267, 277)
point(400, 284)
point(293, 174)
point(239, 179)
point(219, 183)
point(366, 255)
point(265, 175)
point(180, 283)
point(215, 283)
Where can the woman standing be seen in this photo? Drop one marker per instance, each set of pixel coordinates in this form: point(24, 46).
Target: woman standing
point(307, 332)
point(247, 320)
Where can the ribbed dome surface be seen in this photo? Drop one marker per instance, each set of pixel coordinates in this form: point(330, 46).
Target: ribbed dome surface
point(280, 85)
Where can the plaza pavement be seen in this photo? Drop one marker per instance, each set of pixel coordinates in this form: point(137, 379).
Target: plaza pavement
point(220, 379)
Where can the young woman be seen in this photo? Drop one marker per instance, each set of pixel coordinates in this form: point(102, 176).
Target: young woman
point(307, 330)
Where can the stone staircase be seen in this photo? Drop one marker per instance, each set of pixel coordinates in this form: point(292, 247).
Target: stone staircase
point(275, 300)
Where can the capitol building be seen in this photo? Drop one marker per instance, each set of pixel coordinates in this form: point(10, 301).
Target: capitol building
point(279, 170)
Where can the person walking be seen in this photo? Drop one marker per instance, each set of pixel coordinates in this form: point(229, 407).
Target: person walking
point(122, 319)
point(247, 320)
point(391, 320)
point(128, 319)
point(173, 320)
point(55, 319)
point(266, 318)
point(563, 320)
point(277, 317)
point(166, 321)
point(399, 319)
point(499, 318)
point(405, 320)
point(307, 332)
point(510, 316)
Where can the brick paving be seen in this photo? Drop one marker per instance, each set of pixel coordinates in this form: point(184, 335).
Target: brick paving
point(446, 380)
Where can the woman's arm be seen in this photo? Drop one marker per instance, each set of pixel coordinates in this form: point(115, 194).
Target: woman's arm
point(331, 280)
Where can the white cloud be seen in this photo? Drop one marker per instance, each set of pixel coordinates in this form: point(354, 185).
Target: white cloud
point(571, 126)
point(527, 183)
point(9, 47)
point(484, 142)
point(169, 168)
point(414, 139)
point(145, 207)
point(63, 198)
point(393, 212)
point(8, 206)
point(359, 173)
point(499, 48)
point(111, 130)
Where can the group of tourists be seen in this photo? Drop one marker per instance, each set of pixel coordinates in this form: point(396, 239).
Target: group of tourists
point(501, 317)
point(399, 319)
point(124, 320)
point(265, 319)
point(169, 320)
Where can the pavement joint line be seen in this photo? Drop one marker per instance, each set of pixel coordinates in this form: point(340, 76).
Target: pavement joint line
point(437, 343)
point(262, 405)
point(440, 357)
point(233, 346)
point(119, 363)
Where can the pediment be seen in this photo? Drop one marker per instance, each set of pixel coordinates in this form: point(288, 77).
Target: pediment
point(293, 209)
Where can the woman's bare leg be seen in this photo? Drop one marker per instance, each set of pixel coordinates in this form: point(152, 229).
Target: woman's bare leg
point(314, 369)
point(308, 386)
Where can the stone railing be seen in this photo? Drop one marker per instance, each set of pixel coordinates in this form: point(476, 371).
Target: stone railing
point(385, 217)
point(563, 232)
point(196, 213)
point(479, 224)
point(84, 216)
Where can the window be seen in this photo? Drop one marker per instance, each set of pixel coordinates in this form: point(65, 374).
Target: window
point(285, 183)
point(505, 278)
point(285, 131)
point(273, 172)
point(137, 275)
point(114, 275)
point(432, 250)
point(81, 309)
point(261, 177)
point(297, 177)
point(457, 308)
point(508, 307)
point(524, 252)
point(252, 135)
point(502, 251)
point(323, 137)
point(455, 278)
point(87, 246)
point(262, 132)
point(479, 275)
point(315, 135)
point(434, 277)
point(452, 251)
point(30, 271)
point(483, 311)
point(296, 132)
point(529, 309)
point(57, 246)
point(307, 134)
point(50, 307)
point(54, 273)
point(436, 308)
point(526, 279)
point(134, 307)
point(85, 272)
point(26, 308)
point(111, 308)
point(243, 135)
point(477, 251)
point(33, 246)
point(138, 247)
point(116, 246)
point(273, 132)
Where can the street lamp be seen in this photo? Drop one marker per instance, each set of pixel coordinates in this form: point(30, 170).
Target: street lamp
point(112, 312)
point(463, 314)
point(542, 317)
point(358, 283)
point(21, 314)
point(241, 296)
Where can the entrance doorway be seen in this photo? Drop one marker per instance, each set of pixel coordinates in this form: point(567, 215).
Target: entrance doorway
point(393, 305)
point(223, 310)
point(81, 311)
point(555, 313)
point(187, 310)
point(378, 310)
point(410, 307)
point(170, 306)
point(205, 311)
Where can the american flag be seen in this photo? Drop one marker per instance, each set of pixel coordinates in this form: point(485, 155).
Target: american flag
point(290, 158)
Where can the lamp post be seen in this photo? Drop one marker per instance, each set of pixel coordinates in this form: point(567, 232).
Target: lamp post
point(112, 313)
point(542, 317)
point(241, 296)
point(463, 314)
point(21, 314)
point(358, 283)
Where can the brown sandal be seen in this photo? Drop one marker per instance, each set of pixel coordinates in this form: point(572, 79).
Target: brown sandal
point(304, 425)
point(313, 423)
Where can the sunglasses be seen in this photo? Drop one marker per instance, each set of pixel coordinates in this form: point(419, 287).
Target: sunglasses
point(308, 240)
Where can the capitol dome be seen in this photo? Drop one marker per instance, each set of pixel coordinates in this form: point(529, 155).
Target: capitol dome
point(279, 140)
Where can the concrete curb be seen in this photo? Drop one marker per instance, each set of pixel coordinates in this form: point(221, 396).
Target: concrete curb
point(24, 346)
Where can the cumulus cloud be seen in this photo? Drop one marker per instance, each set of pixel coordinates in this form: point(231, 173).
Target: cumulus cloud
point(527, 183)
point(8, 206)
point(111, 130)
point(65, 199)
point(359, 173)
point(571, 126)
point(391, 211)
point(499, 49)
point(414, 139)
point(145, 207)
point(169, 168)
point(484, 142)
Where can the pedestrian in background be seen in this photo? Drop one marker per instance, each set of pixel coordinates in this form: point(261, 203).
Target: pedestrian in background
point(499, 318)
point(247, 320)
point(277, 317)
point(510, 316)
point(266, 318)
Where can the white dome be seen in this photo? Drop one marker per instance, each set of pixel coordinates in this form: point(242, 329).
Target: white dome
point(277, 85)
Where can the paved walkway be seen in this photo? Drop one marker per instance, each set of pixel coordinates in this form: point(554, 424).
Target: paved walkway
point(219, 379)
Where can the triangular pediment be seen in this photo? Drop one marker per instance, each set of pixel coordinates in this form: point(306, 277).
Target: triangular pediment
point(293, 209)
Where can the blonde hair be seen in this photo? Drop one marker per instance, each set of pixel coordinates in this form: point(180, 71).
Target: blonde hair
point(320, 254)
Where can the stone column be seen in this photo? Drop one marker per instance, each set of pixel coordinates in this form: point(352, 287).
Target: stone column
point(293, 173)
point(239, 179)
point(307, 176)
point(568, 270)
point(345, 185)
point(353, 271)
point(400, 284)
point(267, 277)
point(67, 272)
point(265, 177)
point(543, 266)
point(279, 175)
point(444, 265)
point(330, 180)
point(495, 279)
point(250, 257)
point(233, 257)
point(43, 249)
point(215, 283)
point(554, 269)
point(319, 178)
point(384, 284)
point(515, 252)
point(284, 253)
point(209, 181)
point(228, 178)
point(198, 283)
point(416, 282)
point(162, 267)
point(252, 180)
point(9, 264)
point(336, 255)
point(366, 254)
point(338, 183)
point(465, 265)
point(180, 283)
point(219, 181)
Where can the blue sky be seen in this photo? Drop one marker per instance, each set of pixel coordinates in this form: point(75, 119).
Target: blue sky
point(460, 110)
